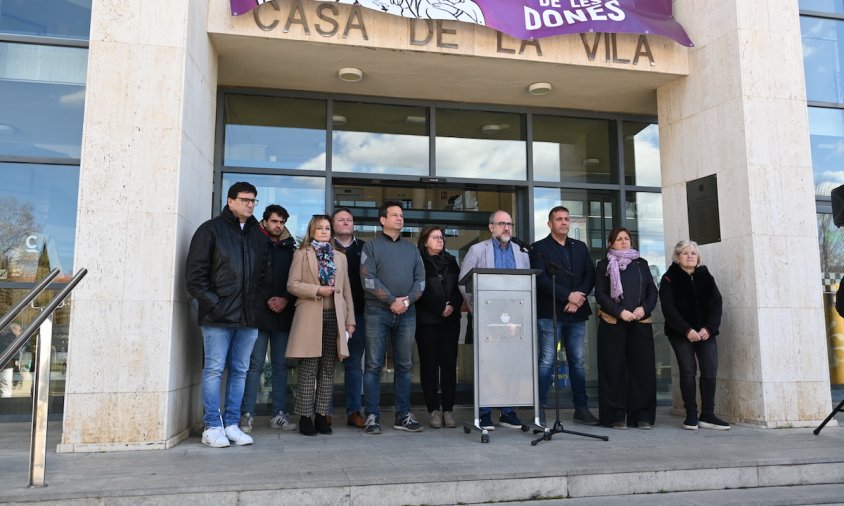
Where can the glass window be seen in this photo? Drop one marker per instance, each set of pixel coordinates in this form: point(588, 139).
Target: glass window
point(271, 132)
point(301, 196)
point(826, 136)
point(571, 149)
point(831, 244)
point(42, 96)
point(69, 19)
point(823, 58)
point(830, 6)
point(379, 139)
point(643, 213)
point(483, 145)
point(641, 154)
point(37, 220)
point(591, 212)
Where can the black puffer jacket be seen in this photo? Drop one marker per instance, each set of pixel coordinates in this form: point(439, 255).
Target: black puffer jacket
point(223, 270)
point(441, 273)
point(689, 301)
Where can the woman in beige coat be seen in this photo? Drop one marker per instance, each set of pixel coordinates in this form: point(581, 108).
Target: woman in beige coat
point(322, 324)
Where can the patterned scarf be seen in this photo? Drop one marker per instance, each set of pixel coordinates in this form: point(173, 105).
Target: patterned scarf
point(619, 260)
point(325, 262)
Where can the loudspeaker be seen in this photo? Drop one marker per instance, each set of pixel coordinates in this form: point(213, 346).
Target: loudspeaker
point(838, 206)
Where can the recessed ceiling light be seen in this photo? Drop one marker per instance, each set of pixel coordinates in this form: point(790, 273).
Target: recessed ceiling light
point(350, 74)
point(539, 89)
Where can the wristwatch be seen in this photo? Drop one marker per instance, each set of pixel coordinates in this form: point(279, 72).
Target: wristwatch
point(406, 303)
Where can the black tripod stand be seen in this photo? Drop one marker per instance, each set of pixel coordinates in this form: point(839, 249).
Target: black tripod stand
point(557, 428)
point(839, 408)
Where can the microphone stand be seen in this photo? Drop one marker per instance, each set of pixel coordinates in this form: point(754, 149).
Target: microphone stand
point(547, 433)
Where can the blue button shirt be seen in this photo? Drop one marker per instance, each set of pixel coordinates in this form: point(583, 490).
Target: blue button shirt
point(504, 257)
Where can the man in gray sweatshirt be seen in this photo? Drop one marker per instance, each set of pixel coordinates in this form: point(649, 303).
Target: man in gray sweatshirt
point(393, 280)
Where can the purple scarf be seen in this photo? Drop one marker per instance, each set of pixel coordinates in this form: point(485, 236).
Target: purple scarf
point(619, 260)
point(325, 262)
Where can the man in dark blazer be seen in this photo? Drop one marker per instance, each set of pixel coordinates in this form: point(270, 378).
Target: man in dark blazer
point(569, 260)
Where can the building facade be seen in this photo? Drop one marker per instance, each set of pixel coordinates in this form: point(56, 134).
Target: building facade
point(322, 105)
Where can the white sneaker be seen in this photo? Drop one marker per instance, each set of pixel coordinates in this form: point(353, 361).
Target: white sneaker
point(236, 436)
point(246, 420)
point(215, 437)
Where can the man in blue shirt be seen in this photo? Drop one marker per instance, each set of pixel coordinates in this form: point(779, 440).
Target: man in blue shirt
point(496, 252)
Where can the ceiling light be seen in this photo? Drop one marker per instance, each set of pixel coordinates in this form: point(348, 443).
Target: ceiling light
point(350, 74)
point(491, 129)
point(338, 120)
point(415, 120)
point(539, 89)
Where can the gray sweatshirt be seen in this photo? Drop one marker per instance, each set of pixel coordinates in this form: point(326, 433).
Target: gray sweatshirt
point(390, 269)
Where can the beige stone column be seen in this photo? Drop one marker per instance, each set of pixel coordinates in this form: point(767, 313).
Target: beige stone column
point(741, 114)
point(145, 182)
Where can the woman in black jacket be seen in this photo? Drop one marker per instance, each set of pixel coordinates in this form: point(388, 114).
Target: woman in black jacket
point(438, 326)
point(626, 295)
point(691, 304)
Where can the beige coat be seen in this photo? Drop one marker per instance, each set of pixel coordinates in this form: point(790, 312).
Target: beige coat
point(306, 333)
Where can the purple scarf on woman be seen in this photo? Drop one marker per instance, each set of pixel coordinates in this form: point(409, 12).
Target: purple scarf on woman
point(619, 260)
point(325, 261)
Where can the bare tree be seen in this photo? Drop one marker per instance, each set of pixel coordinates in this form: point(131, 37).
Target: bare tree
point(831, 244)
point(17, 221)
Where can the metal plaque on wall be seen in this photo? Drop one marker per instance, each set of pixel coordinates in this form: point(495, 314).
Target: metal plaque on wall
point(702, 206)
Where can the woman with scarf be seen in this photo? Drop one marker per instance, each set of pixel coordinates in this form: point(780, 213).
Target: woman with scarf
point(626, 295)
point(691, 304)
point(322, 324)
point(438, 327)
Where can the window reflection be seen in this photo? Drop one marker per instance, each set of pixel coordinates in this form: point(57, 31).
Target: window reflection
point(301, 196)
point(591, 212)
point(641, 154)
point(823, 58)
point(57, 18)
point(37, 220)
point(42, 97)
point(831, 245)
point(476, 144)
point(571, 149)
point(830, 6)
point(379, 139)
point(271, 132)
point(826, 135)
point(643, 213)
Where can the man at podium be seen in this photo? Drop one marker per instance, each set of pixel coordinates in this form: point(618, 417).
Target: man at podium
point(496, 252)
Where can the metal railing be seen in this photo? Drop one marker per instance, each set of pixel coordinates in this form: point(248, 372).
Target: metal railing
point(43, 324)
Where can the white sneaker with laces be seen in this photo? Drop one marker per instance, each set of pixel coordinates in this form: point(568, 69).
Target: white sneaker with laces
point(215, 437)
point(236, 436)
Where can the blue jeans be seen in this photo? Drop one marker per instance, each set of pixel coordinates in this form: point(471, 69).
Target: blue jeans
point(572, 334)
point(277, 341)
point(352, 367)
point(225, 347)
point(383, 326)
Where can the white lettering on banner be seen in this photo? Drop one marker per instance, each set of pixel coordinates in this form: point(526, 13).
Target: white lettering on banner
point(580, 11)
point(327, 20)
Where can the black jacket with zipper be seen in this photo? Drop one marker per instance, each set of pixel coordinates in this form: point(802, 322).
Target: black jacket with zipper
point(224, 268)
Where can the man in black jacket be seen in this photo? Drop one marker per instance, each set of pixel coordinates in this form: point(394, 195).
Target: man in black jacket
point(275, 316)
point(575, 278)
point(223, 269)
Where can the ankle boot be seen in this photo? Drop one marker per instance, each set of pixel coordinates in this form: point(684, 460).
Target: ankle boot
point(322, 425)
point(306, 426)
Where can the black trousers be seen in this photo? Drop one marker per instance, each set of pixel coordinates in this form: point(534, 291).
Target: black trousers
point(706, 353)
point(437, 346)
point(626, 373)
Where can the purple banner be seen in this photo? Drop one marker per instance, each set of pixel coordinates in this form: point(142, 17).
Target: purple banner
point(532, 19)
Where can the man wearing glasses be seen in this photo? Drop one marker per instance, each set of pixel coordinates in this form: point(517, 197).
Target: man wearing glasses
point(496, 252)
point(225, 262)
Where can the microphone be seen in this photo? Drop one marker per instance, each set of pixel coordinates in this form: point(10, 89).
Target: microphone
point(520, 243)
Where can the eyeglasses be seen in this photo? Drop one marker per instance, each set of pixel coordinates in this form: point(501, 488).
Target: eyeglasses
point(437, 237)
point(503, 224)
point(248, 201)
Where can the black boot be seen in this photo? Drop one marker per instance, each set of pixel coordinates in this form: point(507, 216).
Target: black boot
point(322, 425)
point(306, 426)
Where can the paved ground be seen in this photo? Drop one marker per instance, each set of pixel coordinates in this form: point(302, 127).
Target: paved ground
point(666, 465)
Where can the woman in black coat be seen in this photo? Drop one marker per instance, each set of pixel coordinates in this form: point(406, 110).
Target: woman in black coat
point(626, 295)
point(438, 327)
point(691, 304)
